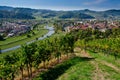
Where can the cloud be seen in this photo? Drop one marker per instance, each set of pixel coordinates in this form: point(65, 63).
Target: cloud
point(94, 2)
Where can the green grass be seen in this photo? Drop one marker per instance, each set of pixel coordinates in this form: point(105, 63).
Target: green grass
point(111, 74)
point(81, 71)
point(111, 70)
point(9, 53)
point(107, 58)
point(14, 41)
point(76, 68)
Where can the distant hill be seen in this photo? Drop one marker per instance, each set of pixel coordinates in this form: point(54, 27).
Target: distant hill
point(72, 14)
point(28, 13)
point(17, 13)
point(12, 14)
point(102, 14)
point(6, 8)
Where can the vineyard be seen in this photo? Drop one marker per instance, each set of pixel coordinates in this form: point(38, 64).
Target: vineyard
point(108, 44)
point(43, 56)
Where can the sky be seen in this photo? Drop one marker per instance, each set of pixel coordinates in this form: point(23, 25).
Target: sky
point(98, 5)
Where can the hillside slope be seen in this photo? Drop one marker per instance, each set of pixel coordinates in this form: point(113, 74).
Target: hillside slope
point(12, 12)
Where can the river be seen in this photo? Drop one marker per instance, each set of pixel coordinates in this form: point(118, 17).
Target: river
point(51, 31)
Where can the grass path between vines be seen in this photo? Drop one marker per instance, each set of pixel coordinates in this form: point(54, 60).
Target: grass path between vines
point(84, 66)
point(97, 72)
point(106, 68)
point(103, 68)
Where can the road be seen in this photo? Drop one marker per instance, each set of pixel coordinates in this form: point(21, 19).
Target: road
point(51, 31)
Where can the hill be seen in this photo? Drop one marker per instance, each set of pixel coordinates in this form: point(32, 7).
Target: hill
point(79, 15)
point(16, 15)
point(28, 13)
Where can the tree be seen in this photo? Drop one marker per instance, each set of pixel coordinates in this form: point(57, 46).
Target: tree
point(0, 51)
point(1, 38)
point(21, 62)
point(57, 26)
point(70, 41)
point(46, 52)
point(64, 45)
point(29, 36)
point(57, 48)
point(28, 53)
point(9, 67)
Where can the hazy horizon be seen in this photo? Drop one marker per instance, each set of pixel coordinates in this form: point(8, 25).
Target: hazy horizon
point(64, 5)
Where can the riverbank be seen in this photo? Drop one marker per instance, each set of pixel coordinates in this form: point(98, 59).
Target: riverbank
point(40, 36)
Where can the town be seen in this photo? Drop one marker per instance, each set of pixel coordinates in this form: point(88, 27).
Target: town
point(94, 24)
point(10, 29)
point(16, 28)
